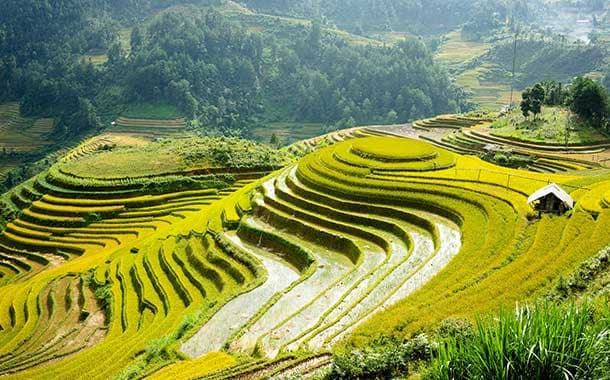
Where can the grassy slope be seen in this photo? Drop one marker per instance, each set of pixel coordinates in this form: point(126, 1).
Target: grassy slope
point(172, 156)
point(550, 128)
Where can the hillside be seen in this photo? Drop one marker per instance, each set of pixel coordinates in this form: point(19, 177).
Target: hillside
point(187, 247)
point(337, 189)
point(417, 17)
point(483, 67)
point(224, 67)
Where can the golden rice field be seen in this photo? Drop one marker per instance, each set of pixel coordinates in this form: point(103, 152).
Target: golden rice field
point(228, 278)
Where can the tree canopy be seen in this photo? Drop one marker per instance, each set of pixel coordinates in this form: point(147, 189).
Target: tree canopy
point(589, 100)
point(212, 68)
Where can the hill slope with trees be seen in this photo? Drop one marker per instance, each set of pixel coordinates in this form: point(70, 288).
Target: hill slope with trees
point(208, 65)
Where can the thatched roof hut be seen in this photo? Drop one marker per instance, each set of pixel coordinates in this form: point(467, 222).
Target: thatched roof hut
point(551, 198)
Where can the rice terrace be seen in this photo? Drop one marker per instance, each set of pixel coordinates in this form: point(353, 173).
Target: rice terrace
point(319, 190)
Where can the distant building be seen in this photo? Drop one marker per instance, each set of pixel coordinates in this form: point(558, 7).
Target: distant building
point(551, 199)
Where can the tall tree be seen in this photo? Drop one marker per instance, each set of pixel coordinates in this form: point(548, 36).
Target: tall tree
point(589, 100)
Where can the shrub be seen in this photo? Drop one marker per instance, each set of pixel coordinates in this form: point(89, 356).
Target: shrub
point(500, 159)
point(383, 359)
point(583, 277)
point(459, 329)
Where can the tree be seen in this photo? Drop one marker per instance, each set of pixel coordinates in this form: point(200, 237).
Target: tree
point(137, 39)
point(391, 117)
point(532, 100)
point(115, 54)
point(274, 140)
point(526, 105)
point(589, 100)
point(554, 93)
point(537, 99)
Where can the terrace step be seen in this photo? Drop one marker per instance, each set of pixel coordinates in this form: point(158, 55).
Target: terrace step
point(489, 138)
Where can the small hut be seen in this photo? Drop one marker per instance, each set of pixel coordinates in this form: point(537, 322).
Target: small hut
point(551, 198)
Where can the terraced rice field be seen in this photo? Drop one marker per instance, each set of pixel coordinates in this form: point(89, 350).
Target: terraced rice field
point(455, 50)
point(487, 91)
point(6, 165)
point(486, 83)
point(471, 136)
point(73, 242)
point(19, 134)
point(303, 147)
point(364, 235)
point(151, 128)
point(287, 133)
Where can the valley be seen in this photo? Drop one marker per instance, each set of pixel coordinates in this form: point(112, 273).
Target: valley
point(219, 189)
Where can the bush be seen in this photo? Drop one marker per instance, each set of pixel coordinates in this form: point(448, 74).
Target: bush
point(583, 277)
point(385, 358)
point(461, 330)
point(500, 159)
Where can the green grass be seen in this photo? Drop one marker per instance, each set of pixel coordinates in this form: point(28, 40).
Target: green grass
point(546, 342)
point(159, 111)
point(97, 58)
point(549, 127)
point(175, 156)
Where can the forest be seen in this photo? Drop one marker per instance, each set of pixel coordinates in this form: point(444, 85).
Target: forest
point(416, 16)
point(211, 68)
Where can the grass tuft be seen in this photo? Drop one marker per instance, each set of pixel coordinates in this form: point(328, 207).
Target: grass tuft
point(544, 342)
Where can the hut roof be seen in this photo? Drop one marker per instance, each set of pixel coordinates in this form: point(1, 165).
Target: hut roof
point(556, 191)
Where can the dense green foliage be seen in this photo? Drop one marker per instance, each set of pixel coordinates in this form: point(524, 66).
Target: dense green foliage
point(383, 359)
point(314, 78)
point(546, 58)
point(208, 66)
point(415, 16)
point(542, 342)
point(532, 99)
point(589, 100)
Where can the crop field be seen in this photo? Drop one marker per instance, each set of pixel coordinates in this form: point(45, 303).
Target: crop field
point(455, 50)
point(19, 134)
point(236, 273)
point(488, 86)
point(150, 121)
point(488, 92)
point(287, 133)
point(152, 128)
